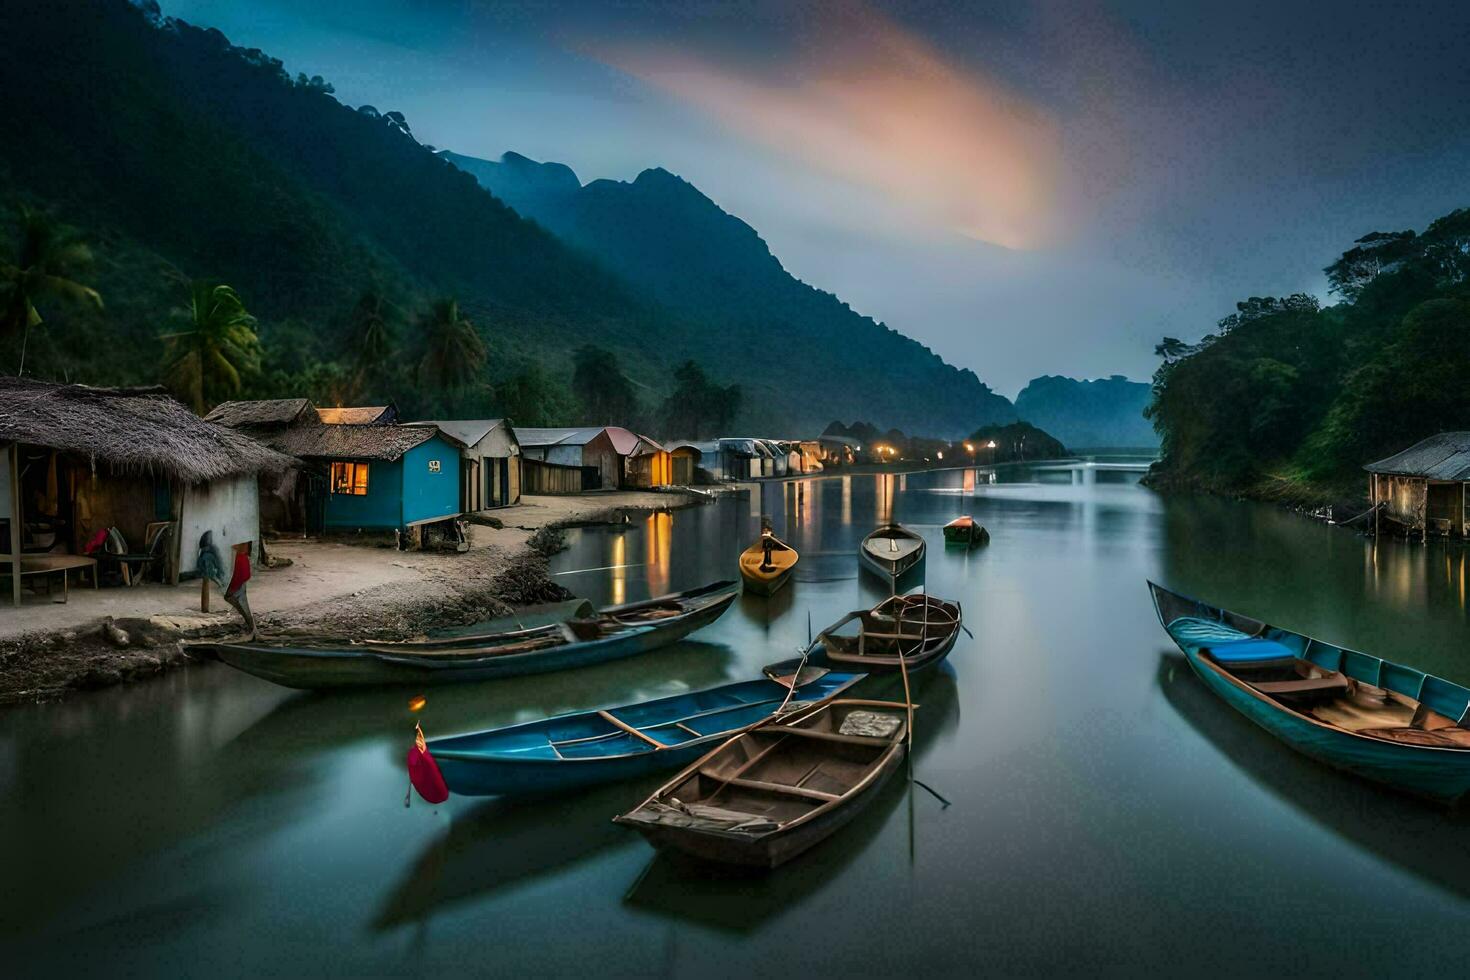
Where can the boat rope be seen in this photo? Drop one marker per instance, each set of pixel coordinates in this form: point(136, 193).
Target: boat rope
point(1371, 510)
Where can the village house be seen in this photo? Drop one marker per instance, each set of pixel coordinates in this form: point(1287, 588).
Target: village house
point(604, 457)
point(490, 468)
point(119, 483)
point(1423, 488)
point(357, 476)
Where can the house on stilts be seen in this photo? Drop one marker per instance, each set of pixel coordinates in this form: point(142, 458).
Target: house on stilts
point(1423, 488)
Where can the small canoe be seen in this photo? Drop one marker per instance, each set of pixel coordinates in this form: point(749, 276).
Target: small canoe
point(966, 531)
point(493, 651)
point(777, 790)
point(591, 747)
point(891, 550)
point(767, 565)
point(1377, 719)
point(920, 629)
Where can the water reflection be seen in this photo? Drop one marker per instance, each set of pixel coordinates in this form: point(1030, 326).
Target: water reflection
point(742, 900)
point(1402, 600)
point(1422, 838)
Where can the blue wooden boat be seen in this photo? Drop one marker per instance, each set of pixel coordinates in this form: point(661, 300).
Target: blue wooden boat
point(577, 637)
point(591, 747)
point(1375, 718)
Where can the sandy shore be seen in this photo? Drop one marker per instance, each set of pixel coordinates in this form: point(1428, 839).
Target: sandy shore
point(110, 635)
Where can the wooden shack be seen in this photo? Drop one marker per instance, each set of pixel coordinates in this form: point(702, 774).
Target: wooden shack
point(78, 459)
point(1423, 488)
point(490, 474)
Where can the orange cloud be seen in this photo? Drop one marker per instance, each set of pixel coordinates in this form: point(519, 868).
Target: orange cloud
point(877, 106)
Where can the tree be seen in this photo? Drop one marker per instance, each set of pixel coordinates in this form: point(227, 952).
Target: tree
point(604, 391)
point(208, 360)
point(370, 335)
point(454, 352)
point(698, 406)
point(532, 398)
point(47, 257)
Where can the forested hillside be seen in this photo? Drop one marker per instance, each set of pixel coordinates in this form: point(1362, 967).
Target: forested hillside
point(1289, 400)
point(1089, 414)
point(155, 158)
point(662, 234)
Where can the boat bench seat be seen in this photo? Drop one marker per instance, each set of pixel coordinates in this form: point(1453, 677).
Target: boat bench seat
point(1331, 684)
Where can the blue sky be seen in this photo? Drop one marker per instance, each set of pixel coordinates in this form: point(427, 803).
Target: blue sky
point(1027, 188)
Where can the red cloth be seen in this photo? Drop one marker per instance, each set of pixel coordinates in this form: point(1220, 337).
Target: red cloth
point(424, 773)
point(241, 575)
point(94, 543)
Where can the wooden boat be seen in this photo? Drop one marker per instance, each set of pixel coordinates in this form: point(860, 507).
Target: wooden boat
point(966, 531)
point(591, 747)
point(1375, 718)
point(767, 565)
point(773, 792)
point(922, 628)
point(891, 550)
point(579, 638)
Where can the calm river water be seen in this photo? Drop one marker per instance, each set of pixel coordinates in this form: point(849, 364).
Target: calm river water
point(1107, 813)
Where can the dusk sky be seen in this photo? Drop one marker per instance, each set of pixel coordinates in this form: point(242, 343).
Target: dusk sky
point(1027, 188)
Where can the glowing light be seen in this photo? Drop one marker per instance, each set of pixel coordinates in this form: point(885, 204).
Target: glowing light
point(417, 702)
point(990, 444)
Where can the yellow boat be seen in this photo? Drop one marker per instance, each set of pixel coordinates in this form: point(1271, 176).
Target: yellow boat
point(767, 564)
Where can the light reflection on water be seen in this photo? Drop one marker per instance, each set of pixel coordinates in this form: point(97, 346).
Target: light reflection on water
point(1107, 813)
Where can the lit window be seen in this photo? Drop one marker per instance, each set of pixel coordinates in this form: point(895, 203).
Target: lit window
point(350, 478)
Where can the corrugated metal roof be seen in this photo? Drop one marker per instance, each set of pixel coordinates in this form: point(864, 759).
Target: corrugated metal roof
point(1441, 457)
point(556, 437)
point(467, 431)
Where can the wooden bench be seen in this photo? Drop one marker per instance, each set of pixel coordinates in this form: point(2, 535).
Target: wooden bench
point(52, 565)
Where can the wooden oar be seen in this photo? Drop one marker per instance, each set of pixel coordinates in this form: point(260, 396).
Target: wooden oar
point(631, 730)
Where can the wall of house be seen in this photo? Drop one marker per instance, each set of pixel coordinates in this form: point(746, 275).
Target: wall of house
point(498, 453)
point(380, 507)
point(229, 507)
point(430, 493)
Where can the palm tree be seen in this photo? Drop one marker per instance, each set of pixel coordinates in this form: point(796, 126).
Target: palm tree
point(47, 256)
point(453, 350)
point(219, 346)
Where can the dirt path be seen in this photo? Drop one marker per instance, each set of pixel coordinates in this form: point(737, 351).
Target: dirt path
point(112, 635)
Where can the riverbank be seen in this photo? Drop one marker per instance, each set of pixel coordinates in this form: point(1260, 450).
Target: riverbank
point(106, 637)
point(1338, 500)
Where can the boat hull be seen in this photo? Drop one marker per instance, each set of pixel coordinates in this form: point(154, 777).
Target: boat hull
point(471, 772)
point(1433, 772)
point(889, 568)
point(774, 849)
point(758, 585)
point(1438, 774)
point(317, 669)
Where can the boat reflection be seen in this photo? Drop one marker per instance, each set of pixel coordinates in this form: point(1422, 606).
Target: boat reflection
point(500, 842)
point(1422, 838)
point(739, 900)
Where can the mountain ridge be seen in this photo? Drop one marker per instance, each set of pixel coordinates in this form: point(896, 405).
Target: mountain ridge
point(661, 233)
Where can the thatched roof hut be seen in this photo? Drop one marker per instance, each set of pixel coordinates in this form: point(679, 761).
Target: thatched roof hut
point(132, 430)
point(360, 415)
point(265, 414)
point(386, 442)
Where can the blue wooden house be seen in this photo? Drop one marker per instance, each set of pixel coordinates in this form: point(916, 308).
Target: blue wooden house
point(379, 477)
